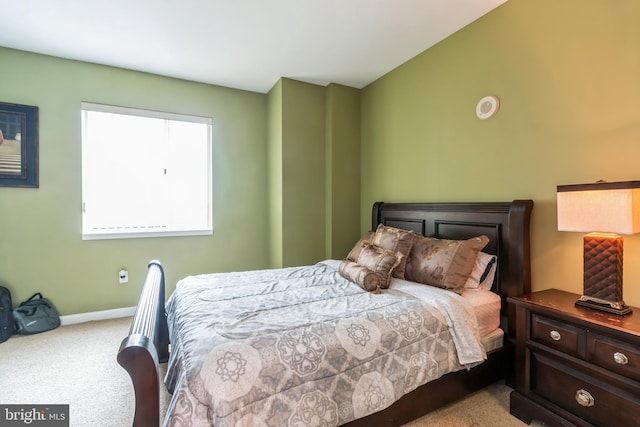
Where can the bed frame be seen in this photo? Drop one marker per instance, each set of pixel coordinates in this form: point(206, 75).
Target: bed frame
point(507, 226)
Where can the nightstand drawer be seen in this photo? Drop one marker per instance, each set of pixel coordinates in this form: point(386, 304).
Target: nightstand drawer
point(558, 335)
point(602, 404)
point(614, 355)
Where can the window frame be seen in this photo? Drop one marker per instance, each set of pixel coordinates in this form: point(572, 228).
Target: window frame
point(141, 232)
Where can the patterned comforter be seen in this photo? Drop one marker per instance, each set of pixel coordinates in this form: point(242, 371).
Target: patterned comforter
point(303, 346)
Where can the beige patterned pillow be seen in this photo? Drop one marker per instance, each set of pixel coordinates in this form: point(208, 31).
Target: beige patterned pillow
point(397, 240)
point(382, 261)
point(357, 248)
point(367, 279)
point(443, 263)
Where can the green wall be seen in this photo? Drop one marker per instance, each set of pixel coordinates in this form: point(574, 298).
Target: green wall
point(314, 140)
point(272, 182)
point(343, 169)
point(303, 172)
point(291, 182)
point(41, 249)
point(276, 249)
point(567, 75)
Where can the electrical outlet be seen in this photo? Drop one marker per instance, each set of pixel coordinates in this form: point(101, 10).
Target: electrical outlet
point(123, 276)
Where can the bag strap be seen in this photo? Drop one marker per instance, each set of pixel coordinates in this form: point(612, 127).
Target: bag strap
point(28, 308)
point(27, 311)
point(37, 294)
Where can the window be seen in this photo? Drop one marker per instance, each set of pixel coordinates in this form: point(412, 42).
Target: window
point(144, 173)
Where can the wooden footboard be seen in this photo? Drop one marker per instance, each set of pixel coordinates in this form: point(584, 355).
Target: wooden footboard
point(146, 346)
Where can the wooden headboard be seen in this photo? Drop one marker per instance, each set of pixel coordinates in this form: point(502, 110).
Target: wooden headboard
point(505, 223)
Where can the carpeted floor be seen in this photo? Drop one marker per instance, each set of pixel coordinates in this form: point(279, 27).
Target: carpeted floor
point(76, 365)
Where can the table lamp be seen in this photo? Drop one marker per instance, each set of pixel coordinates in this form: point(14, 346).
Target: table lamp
point(604, 210)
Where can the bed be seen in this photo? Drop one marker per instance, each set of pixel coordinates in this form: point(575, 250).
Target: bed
point(506, 226)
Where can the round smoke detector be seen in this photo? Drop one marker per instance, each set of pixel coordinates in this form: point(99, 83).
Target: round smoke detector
point(487, 107)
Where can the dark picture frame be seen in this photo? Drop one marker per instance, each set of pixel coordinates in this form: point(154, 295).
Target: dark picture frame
point(18, 145)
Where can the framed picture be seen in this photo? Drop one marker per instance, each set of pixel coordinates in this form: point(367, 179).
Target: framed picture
point(18, 145)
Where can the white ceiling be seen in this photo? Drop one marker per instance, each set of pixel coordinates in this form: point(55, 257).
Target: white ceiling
point(245, 44)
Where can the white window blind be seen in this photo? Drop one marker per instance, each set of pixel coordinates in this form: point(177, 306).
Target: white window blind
point(144, 173)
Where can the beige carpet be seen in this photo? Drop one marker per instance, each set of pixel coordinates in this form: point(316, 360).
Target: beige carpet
point(76, 365)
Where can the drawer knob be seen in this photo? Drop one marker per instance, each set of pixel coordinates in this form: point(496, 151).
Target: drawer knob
point(620, 358)
point(555, 335)
point(584, 398)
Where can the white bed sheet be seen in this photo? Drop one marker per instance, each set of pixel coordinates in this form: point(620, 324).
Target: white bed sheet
point(486, 306)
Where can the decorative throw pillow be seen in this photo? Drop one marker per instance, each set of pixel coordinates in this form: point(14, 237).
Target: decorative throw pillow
point(367, 279)
point(397, 240)
point(443, 263)
point(483, 272)
point(382, 261)
point(357, 248)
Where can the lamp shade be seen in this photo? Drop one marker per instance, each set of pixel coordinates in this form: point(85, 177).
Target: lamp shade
point(606, 207)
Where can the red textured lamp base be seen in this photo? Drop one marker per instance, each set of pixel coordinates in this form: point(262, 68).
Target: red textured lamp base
point(603, 274)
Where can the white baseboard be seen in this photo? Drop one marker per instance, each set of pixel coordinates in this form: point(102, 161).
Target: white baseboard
point(97, 315)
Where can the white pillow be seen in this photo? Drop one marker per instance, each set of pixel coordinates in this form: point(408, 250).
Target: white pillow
point(484, 270)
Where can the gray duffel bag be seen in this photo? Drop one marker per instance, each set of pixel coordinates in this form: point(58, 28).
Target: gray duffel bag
point(35, 315)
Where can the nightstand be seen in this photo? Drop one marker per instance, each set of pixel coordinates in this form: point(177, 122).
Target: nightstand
point(575, 365)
